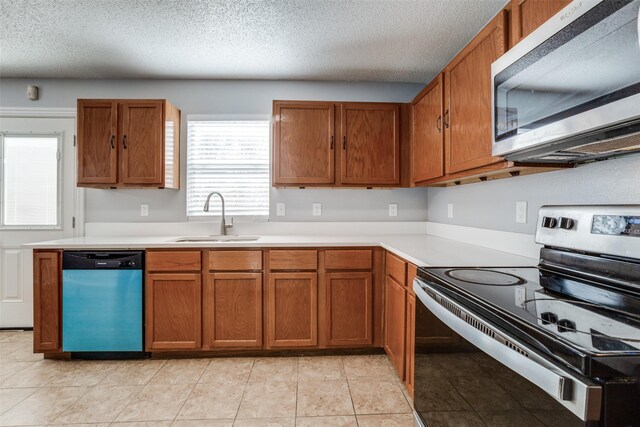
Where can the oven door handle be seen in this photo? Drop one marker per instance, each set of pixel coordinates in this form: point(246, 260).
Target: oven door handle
point(580, 396)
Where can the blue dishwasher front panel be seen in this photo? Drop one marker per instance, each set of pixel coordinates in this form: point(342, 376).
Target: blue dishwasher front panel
point(102, 310)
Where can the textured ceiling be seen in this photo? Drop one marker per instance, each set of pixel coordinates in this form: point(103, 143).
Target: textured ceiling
point(352, 40)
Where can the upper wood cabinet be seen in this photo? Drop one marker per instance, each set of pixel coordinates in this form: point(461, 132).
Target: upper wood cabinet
point(528, 15)
point(427, 142)
point(128, 143)
point(327, 144)
point(468, 86)
point(370, 135)
point(47, 295)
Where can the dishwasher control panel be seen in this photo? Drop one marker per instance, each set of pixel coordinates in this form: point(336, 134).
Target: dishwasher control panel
point(115, 260)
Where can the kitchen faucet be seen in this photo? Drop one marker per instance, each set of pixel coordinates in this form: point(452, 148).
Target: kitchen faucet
point(223, 224)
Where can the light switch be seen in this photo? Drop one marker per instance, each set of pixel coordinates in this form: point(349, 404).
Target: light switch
point(450, 210)
point(144, 209)
point(280, 209)
point(317, 209)
point(521, 212)
point(393, 209)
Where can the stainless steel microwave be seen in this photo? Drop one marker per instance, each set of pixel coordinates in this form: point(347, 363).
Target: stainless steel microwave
point(570, 91)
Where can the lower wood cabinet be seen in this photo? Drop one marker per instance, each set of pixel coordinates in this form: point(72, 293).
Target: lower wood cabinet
point(410, 343)
point(47, 294)
point(173, 316)
point(292, 309)
point(349, 308)
point(233, 310)
point(394, 317)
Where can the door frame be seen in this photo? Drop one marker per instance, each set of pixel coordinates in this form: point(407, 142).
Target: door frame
point(56, 113)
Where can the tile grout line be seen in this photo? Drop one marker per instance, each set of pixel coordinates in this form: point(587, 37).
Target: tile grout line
point(190, 391)
point(244, 391)
point(353, 405)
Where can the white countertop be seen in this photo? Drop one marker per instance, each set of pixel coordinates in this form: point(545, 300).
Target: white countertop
point(421, 250)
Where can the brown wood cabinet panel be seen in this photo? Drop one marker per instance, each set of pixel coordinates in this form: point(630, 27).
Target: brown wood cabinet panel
point(47, 290)
point(347, 259)
point(410, 343)
point(97, 142)
point(467, 117)
point(349, 309)
point(431, 330)
point(158, 261)
point(173, 307)
point(427, 150)
point(235, 260)
point(396, 268)
point(303, 143)
point(528, 15)
point(370, 143)
point(233, 310)
point(292, 314)
point(292, 259)
point(394, 331)
point(141, 141)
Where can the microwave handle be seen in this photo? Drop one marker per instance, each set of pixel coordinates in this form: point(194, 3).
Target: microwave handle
point(580, 397)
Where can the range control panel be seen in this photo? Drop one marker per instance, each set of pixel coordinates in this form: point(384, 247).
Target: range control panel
point(597, 229)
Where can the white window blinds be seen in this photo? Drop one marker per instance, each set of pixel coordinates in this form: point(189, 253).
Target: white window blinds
point(29, 181)
point(231, 157)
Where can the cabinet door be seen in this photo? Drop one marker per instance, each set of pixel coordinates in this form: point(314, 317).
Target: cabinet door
point(467, 117)
point(370, 144)
point(528, 15)
point(46, 302)
point(427, 151)
point(410, 342)
point(394, 331)
point(303, 143)
point(97, 145)
point(173, 311)
point(233, 310)
point(293, 310)
point(141, 142)
point(349, 309)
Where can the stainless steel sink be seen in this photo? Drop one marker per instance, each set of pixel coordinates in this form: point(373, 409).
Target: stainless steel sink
point(216, 239)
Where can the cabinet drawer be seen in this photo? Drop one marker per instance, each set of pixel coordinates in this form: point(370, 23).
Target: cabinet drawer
point(235, 260)
point(396, 268)
point(293, 260)
point(347, 259)
point(173, 261)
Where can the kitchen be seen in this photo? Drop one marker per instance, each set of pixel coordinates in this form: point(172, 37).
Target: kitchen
point(431, 225)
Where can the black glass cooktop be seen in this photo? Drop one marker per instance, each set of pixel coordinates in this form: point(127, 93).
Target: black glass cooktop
point(555, 323)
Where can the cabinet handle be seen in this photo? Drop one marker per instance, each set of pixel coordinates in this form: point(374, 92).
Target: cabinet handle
point(439, 123)
point(113, 138)
point(124, 142)
point(331, 143)
point(446, 119)
point(344, 142)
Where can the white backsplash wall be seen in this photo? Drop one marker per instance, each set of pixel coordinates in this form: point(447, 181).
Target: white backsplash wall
point(227, 97)
point(492, 204)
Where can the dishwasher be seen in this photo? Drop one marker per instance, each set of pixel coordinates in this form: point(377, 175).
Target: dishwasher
point(102, 299)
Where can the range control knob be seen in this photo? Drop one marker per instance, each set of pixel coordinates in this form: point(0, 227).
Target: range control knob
point(549, 317)
point(566, 325)
point(567, 223)
point(549, 222)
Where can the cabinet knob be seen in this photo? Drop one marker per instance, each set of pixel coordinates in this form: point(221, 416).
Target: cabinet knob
point(439, 123)
point(124, 142)
point(113, 138)
point(331, 143)
point(446, 119)
point(344, 142)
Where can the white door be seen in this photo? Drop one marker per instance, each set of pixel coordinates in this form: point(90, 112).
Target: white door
point(38, 201)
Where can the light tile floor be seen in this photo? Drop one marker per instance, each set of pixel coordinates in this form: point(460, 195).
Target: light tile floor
point(240, 391)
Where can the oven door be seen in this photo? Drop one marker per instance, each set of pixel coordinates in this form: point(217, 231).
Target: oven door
point(569, 81)
point(488, 376)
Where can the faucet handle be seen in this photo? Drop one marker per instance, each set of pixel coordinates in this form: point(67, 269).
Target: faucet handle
point(228, 226)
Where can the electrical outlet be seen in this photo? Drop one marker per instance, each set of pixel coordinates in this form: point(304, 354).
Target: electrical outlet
point(521, 212)
point(280, 209)
point(393, 209)
point(317, 209)
point(450, 210)
point(144, 209)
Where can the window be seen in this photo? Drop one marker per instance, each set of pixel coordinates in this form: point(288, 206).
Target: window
point(231, 157)
point(29, 187)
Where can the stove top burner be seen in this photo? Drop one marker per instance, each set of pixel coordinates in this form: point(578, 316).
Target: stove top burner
point(479, 276)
